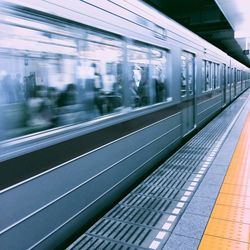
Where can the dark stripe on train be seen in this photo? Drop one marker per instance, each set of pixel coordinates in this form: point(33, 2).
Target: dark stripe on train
point(209, 95)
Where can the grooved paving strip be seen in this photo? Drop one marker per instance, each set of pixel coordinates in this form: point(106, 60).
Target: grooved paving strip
point(145, 218)
point(229, 224)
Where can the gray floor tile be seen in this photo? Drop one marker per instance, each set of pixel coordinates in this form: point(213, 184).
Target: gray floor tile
point(213, 179)
point(191, 225)
point(208, 191)
point(178, 242)
point(200, 206)
point(223, 159)
point(218, 169)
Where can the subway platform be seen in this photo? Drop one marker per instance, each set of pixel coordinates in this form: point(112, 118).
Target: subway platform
point(198, 199)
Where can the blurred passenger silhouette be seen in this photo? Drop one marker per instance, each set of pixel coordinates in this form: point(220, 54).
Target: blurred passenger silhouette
point(139, 86)
point(159, 84)
point(39, 111)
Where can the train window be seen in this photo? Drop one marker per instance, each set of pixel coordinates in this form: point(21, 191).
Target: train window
point(208, 76)
point(223, 75)
point(203, 76)
point(147, 75)
point(100, 74)
point(53, 75)
point(238, 76)
point(183, 75)
point(138, 60)
point(216, 76)
point(232, 77)
point(35, 66)
point(159, 76)
point(187, 73)
point(190, 73)
point(235, 81)
point(228, 76)
point(48, 79)
point(241, 80)
point(212, 75)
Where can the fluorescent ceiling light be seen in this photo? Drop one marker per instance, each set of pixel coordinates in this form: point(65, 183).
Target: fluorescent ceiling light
point(237, 12)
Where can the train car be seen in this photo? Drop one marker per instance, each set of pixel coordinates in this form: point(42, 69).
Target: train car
point(93, 96)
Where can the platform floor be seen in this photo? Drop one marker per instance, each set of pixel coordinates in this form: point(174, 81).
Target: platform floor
point(199, 198)
point(229, 223)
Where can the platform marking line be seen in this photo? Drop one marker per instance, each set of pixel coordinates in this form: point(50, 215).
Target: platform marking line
point(166, 226)
point(204, 168)
point(176, 211)
point(190, 188)
point(209, 158)
point(171, 218)
point(196, 179)
point(193, 184)
point(154, 244)
point(160, 235)
point(205, 164)
point(198, 176)
point(184, 198)
point(180, 204)
point(201, 172)
point(187, 193)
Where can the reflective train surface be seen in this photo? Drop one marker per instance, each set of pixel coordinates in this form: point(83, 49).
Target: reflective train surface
point(93, 95)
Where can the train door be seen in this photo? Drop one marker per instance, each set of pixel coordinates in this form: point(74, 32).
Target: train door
point(235, 81)
point(187, 91)
point(241, 81)
point(232, 83)
point(229, 84)
point(223, 84)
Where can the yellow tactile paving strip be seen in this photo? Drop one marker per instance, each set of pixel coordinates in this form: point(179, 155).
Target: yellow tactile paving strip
point(229, 225)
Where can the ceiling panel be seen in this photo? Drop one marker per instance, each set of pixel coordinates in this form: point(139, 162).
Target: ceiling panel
point(209, 21)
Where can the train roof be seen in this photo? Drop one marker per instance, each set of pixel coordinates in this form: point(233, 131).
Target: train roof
point(131, 18)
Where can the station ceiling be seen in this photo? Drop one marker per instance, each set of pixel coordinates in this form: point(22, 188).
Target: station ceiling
point(214, 20)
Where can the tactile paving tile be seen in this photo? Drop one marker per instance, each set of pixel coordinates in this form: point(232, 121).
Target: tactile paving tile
point(228, 230)
point(237, 214)
point(123, 233)
point(90, 242)
point(216, 243)
point(138, 215)
point(238, 176)
point(235, 190)
point(233, 200)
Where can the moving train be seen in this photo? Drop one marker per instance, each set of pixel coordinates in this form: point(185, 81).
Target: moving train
point(93, 96)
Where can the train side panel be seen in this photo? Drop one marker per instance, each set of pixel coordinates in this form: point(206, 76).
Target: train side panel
point(82, 188)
